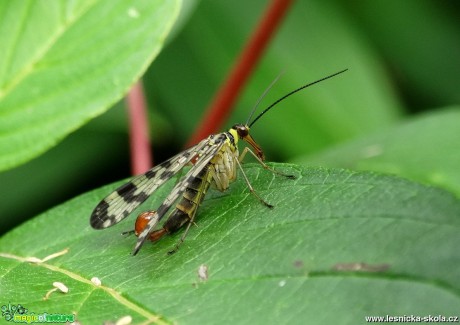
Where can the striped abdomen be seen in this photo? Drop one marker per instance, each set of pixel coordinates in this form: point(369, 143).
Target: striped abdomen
point(220, 172)
point(186, 208)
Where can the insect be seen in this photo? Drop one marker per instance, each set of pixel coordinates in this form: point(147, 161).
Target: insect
point(214, 160)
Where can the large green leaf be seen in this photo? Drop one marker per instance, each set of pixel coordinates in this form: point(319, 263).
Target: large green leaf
point(63, 63)
point(339, 245)
point(425, 149)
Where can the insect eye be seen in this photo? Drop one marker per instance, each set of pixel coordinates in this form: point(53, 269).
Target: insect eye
point(242, 130)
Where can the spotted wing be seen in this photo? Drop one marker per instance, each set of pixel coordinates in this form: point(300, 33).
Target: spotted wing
point(120, 203)
point(206, 154)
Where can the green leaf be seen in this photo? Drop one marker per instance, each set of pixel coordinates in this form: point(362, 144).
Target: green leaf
point(63, 63)
point(424, 149)
point(338, 246)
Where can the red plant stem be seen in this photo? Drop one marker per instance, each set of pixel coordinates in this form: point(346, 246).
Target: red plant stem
point(141, 155)
point(220, 107)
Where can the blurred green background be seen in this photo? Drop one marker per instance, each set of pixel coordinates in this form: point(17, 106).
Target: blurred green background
point(404, 75)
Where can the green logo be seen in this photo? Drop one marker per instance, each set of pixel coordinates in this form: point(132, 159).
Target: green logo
point(20, 314)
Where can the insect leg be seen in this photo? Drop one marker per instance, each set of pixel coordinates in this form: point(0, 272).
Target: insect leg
point(251, 188)
point(264, 165)
point(182, 238)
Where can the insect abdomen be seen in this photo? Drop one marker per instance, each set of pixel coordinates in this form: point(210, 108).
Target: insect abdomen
point(191, 199)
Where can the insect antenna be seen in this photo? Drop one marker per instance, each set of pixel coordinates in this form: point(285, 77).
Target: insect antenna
point(289, 94)
point(262, 96)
